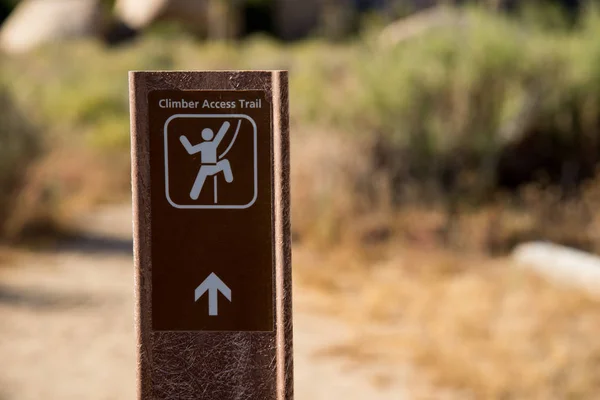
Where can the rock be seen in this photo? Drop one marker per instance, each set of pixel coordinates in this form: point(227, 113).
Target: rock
point(35, 22)
point(293, 18)
point(561, 264)
point(139, 14)
point(216, 19)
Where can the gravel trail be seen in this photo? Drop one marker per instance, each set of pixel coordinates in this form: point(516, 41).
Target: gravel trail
point(66, 330)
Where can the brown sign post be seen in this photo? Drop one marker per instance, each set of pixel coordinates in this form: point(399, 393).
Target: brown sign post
point(210, 159)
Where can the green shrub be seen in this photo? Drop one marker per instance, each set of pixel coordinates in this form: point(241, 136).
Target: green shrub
point(455, 98)
point(19, 149)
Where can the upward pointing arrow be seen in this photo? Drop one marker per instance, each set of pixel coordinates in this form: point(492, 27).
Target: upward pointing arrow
point(213, 285)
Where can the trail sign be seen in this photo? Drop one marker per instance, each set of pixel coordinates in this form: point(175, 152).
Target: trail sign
point(210, 165)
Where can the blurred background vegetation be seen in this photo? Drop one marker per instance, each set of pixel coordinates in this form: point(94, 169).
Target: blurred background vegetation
point(451, 108)
point(468, 127)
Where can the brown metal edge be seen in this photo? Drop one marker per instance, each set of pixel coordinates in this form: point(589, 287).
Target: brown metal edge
point(140, 171)
point(283, 253)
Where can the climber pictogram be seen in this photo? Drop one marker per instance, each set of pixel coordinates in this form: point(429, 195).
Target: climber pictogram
point(210, 161)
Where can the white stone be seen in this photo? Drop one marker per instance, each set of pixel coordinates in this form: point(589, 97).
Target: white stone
point(35, 22)
point(561, 264)
point(139, 14)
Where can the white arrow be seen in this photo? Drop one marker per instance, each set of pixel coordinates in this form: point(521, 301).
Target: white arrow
point(213, 285)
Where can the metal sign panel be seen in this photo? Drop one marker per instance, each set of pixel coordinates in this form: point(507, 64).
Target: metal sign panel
point(212, 227)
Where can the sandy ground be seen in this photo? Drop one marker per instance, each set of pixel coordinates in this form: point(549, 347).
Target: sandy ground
point(66, 328)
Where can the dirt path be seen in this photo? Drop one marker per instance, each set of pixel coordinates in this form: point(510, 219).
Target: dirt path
point(67, 326)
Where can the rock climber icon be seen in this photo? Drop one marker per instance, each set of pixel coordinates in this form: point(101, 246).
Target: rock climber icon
point(211, 164)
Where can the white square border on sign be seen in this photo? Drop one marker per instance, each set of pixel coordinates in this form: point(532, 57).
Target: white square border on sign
point(203, 206)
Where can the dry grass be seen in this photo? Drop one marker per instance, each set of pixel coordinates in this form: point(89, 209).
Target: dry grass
point(340, 198)
point(327, 175)
point(60, 186)
point(478, 327)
